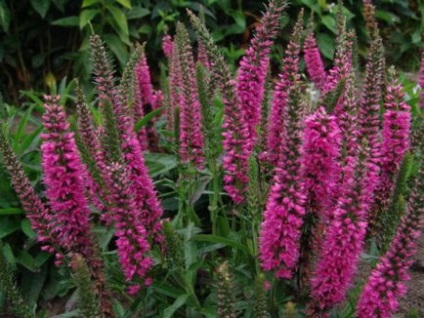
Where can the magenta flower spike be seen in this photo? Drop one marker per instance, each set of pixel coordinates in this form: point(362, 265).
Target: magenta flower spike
point(253, 67)
point(191, 136)
point(280, 230)
point(320, 167)
point(314, 63)
point(287, 79)
point(369, 118)
point(396, 130)
point(40, 215)
point(342, 63)
point(167, 45)
point(283, 218)
point(142, 186)
point(344, 238)
point(175, 87)
point(63, 177)
point(144, 80)
point(132, 236)
point(237, 149)
point(386, 284)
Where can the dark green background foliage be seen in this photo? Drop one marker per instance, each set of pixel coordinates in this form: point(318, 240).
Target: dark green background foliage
point(43, 41)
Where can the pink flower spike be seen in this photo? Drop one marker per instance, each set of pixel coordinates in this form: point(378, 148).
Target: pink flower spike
point(63, 177)
point(386, 283)
point(191, 136)
point(251, 74)
point(320, 153)
point(132, 242)
point(314, 63)
point(288, 78)
point(345, 236)
point(167, 45)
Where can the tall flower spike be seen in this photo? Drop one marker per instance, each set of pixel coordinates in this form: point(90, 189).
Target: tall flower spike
point(63, 178)
point(313, 61)
point(174, 89)
point(167, 45)
point(144, 80)
point(108, 98)
point(91, 153)
point(125, 84)
point(202, 55)
point(18, 305)
point(342, 60)
point(254, 64)
point(320, 169)
point(347, 114)
point(396, 131)
point(320, 153)
point(138, 112)
point(368, 11)
point(235, 130)
point(344, 239)
point(132, 241)
point(191, 136)
point(225, 293)
point(283, 219)
point(150, 99)
point(288, 78)
point(141, 184)
point(372, 94)
point(386, 284)
point(39, 215)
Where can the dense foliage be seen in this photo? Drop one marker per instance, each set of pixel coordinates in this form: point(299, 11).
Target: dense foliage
point(46, 40)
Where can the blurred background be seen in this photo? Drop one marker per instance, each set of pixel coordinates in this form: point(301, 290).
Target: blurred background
point(45, 41)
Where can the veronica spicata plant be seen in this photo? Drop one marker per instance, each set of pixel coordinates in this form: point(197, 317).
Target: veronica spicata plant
point(180, 200)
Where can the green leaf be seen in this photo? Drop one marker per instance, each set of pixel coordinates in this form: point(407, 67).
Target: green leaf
point(42, 258)
point(416, 36)
point(89, 3)
point(180, 301)
point(143, 121)
point(8, 254)
point(32, 284)
point(219, 239)
point(326, 45)
point(67, 22)
point(387, 16)
point(137, 13)
point(329, 22)
point(120, 18)
point(8, 226)
point(5, 16)
point(159, 163)
point(118, 48)
point(27, 229)
point(26, 260)
point(86, 16)
point(60, 4)
point(11, 211)
point(125, 3)
point(41, 6)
